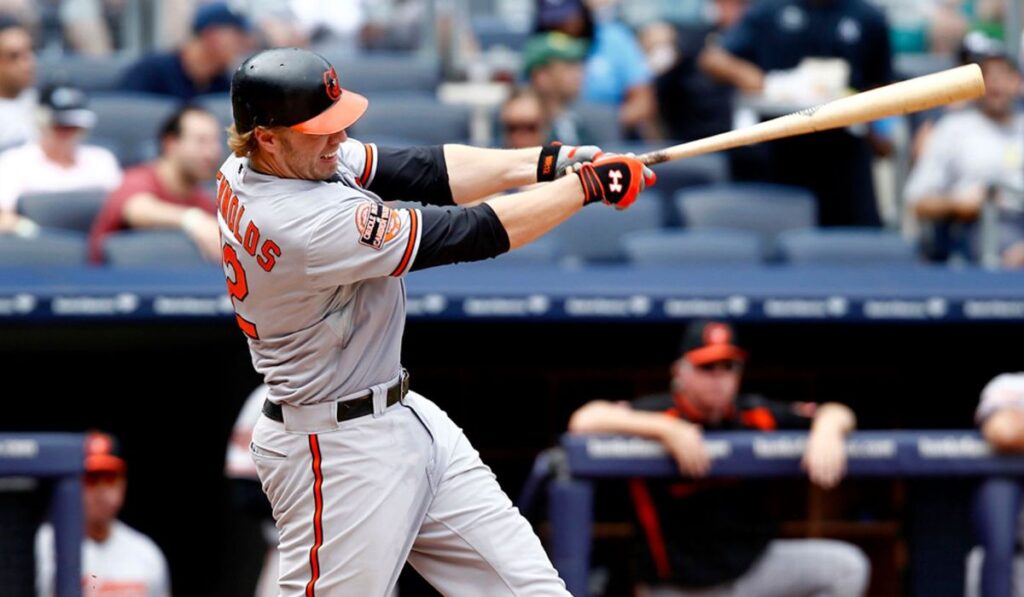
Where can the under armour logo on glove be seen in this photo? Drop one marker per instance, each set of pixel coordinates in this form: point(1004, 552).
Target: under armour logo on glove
point(614, 179)
point(616, 176)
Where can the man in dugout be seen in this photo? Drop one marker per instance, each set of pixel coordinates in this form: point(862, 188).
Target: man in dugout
point(715, 537)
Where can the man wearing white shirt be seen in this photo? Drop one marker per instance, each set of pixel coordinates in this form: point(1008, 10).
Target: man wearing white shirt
point(57, 161)
point(17, 75)
point(970, 150)
point(116, 559)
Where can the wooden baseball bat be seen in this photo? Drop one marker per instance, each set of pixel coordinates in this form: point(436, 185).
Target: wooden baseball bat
point(912, 95)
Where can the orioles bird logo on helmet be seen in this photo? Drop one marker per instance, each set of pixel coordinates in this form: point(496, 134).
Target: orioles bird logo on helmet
point(331, 84)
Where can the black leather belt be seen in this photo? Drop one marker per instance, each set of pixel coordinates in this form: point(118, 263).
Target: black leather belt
point(359, 406)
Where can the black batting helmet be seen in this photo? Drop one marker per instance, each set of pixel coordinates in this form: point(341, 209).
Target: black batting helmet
point(295, 88)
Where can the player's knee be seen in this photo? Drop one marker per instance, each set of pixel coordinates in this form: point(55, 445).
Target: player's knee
point(849, 569)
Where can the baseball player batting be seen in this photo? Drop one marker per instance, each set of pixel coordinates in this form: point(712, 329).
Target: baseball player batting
point(362, 473)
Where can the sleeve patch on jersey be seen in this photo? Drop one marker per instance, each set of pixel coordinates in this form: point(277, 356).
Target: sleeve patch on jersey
point(377, 224)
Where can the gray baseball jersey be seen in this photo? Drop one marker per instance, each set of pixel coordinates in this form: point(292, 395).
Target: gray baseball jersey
point(314, 271)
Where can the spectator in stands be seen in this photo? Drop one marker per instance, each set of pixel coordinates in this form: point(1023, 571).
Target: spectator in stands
point(57, 161)
point(715, 537)
point(168, 193)
point(201, 65)
point(1000, 415)
point(24, 12)
point(615, 72)
point(970, 151)
point(524, 122)
point(116, 559)
point(777, 35)
point(692, 104)
point(378, 25)
point(17, 75)
point(88, 24)
point(274, 23)
point(972, 49)
point(554, 66)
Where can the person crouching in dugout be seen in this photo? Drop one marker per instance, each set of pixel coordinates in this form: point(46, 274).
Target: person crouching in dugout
point(715, 537)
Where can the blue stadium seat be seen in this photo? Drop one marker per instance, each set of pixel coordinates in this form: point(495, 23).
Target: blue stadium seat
point(50, 247)
point(601, 122)
point(908, 66)
point(692, 247)
point(127, 123)
point(541, 251)
point(495, 31)
point(151, 247)
point(391, 141)
point(845, 246)
point(69, 210)
point(219, 104)
point(371, 73)
point(765, 209)
point(594, 234)
point(88, 73)
point(419, 119)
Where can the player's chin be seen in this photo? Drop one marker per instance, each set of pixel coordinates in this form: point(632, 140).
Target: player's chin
point(326, 167)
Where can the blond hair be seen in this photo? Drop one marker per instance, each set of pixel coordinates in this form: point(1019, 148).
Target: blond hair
point(241, 144)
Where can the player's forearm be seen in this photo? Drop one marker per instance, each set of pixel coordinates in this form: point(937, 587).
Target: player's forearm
point(640, 106)
point(605, 417)
point(723, 66)
point(475, 172)
point(833, 417)
point(528, 215)
point(146, 211)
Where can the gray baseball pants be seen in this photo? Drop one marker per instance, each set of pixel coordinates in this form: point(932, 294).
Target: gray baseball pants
point(354, 500)
point(791, 568)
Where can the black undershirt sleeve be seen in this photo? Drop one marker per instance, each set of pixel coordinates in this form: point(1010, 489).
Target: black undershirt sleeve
point(454, 234)
point(412, 174)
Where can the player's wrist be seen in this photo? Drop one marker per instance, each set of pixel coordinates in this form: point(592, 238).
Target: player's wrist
point(547, 162)
point(590, 182)
point(670, 426)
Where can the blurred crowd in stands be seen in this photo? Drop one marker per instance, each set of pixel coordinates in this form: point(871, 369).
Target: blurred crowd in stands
point(112, 112)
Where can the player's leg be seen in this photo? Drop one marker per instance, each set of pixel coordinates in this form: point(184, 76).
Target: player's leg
point(473, 540)
point(807, 567)
point(348, 502)
point(997, 507)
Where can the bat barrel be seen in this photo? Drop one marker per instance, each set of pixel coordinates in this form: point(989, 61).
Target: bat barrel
point(913, 95)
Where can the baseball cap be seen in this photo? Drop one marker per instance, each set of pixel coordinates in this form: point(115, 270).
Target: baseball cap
point(67, 106)
point(551, 13)
point(977, 47)
point(9, 22)
point(218, 14)
point(103, 454)
point(546, 47)
point(711, 341)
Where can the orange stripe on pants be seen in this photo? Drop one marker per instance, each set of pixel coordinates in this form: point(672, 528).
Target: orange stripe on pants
point(318, 512)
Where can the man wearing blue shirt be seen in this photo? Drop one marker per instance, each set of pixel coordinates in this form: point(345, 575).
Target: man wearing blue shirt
point(778, 35)
point(201, 65)
point(615, 72)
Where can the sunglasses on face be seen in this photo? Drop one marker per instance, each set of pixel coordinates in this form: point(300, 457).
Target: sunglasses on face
point(522, 127)
point(727, 366)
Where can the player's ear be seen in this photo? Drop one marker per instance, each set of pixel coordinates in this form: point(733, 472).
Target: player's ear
point(265, 137)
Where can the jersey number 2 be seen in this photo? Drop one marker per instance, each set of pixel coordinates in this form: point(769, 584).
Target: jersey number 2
point(238, 289)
